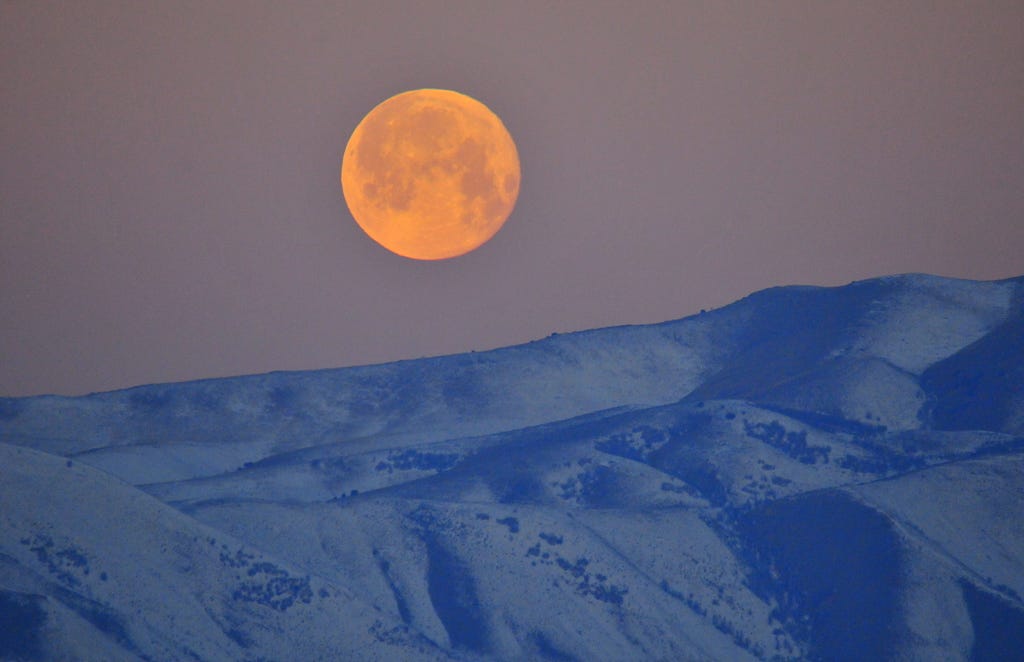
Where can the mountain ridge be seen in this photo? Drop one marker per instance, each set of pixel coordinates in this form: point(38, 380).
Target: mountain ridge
point(808, 473)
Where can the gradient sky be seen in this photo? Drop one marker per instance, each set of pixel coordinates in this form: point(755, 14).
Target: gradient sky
point(170, 206)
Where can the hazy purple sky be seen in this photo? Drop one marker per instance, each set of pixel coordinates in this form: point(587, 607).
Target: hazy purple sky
point(170, 206)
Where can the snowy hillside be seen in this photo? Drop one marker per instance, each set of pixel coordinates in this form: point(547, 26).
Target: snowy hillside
point(823, 473)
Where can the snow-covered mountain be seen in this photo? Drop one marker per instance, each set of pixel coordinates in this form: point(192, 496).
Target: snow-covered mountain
point(824, 473)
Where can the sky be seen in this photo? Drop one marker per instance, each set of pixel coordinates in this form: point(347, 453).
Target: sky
point(170, 205)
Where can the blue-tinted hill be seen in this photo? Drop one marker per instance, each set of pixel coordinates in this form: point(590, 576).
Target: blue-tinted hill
point(809, 473)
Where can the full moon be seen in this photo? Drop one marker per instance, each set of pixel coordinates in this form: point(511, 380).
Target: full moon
point(430, 174)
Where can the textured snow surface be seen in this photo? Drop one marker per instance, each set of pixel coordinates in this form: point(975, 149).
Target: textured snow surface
point(932, 318)
point(809, 473)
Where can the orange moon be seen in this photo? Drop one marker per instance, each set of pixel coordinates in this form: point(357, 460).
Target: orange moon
point(430, 174)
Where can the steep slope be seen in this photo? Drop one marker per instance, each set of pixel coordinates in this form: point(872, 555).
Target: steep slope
point(96, 568)
point(705, 514)
point(982, 385)
point(833, 350)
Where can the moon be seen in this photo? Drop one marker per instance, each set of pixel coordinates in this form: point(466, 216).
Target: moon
point(430, 174)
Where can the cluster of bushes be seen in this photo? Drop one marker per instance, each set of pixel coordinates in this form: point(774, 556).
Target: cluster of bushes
point(793, 444)
point(420, 460)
